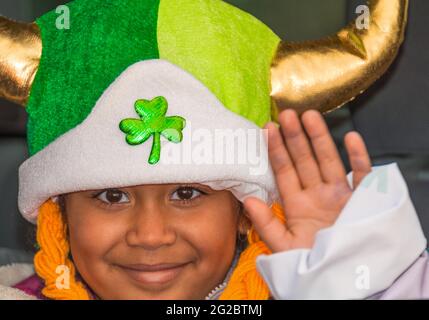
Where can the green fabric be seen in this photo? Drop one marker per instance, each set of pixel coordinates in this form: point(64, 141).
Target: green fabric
point(78, 64)
point(225, 48)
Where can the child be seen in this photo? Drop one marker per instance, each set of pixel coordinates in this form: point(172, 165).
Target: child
point(132, 194)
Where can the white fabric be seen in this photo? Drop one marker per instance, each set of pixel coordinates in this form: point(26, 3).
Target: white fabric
point(11, 275)
point(376, 238)
point(95, 155)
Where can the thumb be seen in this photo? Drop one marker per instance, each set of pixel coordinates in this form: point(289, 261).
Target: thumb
point(269, 228)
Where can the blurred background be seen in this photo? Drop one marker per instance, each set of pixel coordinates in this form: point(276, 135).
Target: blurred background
point(393, 115)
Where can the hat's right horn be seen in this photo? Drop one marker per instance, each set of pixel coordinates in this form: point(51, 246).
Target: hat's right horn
point(20, 51)
point(325, 74)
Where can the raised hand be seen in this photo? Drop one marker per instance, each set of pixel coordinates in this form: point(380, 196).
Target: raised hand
point(311, 180)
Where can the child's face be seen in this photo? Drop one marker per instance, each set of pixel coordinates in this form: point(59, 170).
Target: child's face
point(114, 234)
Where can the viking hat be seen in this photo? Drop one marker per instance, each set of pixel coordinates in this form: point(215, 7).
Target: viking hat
point(122, 89)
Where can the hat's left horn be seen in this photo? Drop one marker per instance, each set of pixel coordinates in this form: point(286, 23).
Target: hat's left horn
point(324, 74)
point(20, 51)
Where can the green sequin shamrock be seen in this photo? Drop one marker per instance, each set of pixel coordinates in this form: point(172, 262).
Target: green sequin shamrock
point(153, 122)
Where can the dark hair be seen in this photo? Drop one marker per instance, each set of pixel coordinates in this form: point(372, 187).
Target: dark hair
point(62, 203)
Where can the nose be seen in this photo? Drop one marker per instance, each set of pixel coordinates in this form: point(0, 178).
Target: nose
point(150, 229)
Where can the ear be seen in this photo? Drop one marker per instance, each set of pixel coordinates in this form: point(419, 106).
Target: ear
point(244, 222)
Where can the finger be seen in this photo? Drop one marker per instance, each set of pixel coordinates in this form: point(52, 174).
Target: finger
point(329, 160)
point(299, 149)
point(269, 228)
point(359, 159)
point(283, 168)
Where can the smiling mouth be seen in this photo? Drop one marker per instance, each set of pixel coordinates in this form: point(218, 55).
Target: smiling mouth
point(154, 275)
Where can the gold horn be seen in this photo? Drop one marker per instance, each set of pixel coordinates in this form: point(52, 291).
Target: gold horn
point(20, 51)
point(325, 74)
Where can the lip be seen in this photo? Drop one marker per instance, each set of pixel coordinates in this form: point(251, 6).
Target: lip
point(155, 274)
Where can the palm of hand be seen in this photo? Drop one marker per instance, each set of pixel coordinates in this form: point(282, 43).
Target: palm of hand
point(311, 180)
point(314, 209)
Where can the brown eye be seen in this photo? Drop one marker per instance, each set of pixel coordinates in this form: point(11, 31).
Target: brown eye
point(113, 196)
point(186, 193)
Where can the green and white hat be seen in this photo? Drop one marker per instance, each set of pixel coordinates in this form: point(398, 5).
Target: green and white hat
point(140, 91)
point(132, 82)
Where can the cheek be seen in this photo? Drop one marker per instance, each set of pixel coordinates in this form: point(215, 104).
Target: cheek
point(91, 236)
point(212, 234)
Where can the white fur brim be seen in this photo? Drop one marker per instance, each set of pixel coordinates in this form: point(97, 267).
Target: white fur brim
point(95, 155)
